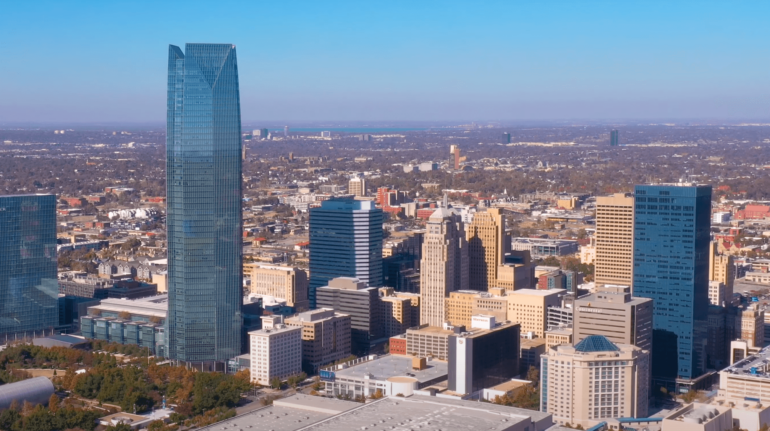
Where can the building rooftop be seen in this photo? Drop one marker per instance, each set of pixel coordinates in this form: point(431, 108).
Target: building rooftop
point(433, 414)
point(151, 306)
point(754, 366)
point(389, 366)
point(416, 412)
point(596, 343)
point(536, 292)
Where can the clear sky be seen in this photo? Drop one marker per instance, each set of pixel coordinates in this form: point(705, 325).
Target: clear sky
point(299, 61)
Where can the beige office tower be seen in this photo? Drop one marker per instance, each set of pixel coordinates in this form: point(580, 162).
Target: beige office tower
point(444, 265)
point(357, 186)
point(485, 234)
point(722, 269)
point(594, 380)
point(750, 326)
point(282, 282)
point(614, 239)
point(611, 311)
point(462, 305)
point(529, 307)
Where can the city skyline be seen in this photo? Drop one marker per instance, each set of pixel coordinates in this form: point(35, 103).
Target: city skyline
point(688, 60)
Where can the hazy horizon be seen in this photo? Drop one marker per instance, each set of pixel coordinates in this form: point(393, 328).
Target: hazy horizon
point(309, 62)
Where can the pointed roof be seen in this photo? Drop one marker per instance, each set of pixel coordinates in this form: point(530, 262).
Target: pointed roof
point(596, 343)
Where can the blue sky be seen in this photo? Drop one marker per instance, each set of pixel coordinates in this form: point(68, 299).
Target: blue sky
point(301, 61)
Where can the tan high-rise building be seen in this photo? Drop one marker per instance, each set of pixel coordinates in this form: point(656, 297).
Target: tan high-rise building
point(750, 326)
point(396, 314)
point(486, 235)
point(357, 186)
point(515, 276)
point(279, 282)
point(614, 239)
point(530, 308)
point(444, 265)
point(594, 380)
point(325, 336)
point(611, 311)
point(722, 269)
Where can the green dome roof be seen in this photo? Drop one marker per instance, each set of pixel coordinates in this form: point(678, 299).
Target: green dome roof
point(596, 343)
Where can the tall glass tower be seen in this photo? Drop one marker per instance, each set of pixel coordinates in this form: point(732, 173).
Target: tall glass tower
point(29, 288)
point(671, 266)
point(203, 168)
point(345, 241)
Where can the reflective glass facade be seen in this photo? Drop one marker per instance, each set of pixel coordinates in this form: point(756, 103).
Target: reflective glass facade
point(203, 169)
point(29, 288)
point(671, 258)
point(345, 241)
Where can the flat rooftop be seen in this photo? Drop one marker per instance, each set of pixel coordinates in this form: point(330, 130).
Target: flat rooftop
point(388, 366)
point(754, 366)
point(536, 292)
point(436, 330)
point(432, 414)
point(287, 414)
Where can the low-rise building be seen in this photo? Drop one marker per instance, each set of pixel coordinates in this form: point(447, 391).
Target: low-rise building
point(139, 322)
point(429, 341)
point(390, 374)
point(699, 417)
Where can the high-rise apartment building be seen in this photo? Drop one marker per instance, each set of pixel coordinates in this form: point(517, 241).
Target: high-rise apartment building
point(286, 131)
point(671, 250)
point(722, 269)
point(357, 186)
point(282, 282)
point(614, 239)
point(325, 337)
point(530, 308)
point(29, 288)
point(594, 380)
point(345, 241)
point(486, 239)
point(276, 351)
point(614, 138)
point(203, 168)
point(611, 311)
point(444, 265)
point(506, 138)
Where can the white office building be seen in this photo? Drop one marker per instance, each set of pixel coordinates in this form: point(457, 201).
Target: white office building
point(276, 351)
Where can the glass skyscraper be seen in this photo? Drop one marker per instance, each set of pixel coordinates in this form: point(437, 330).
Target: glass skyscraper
point(203, 169)
point(345, 241)
point(29, 288)
point(671, 260)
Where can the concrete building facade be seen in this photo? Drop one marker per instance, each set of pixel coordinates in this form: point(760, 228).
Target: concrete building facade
point(529, 307)
point(594, 380)
point(611, 311)
point(355, 298)
point(325, 337)
point(614, 239)
point(280, 282)
point(486, 238)
point(276, 351)
point(444, 265)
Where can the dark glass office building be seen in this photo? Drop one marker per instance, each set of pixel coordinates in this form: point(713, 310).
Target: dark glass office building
point(671, 259)
point(29, 289)
point(614, 139)
point(203, 165)
point(345, 241)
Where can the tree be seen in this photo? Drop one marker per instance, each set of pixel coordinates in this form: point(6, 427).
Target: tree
point(53, 403)
point(119, 427)
point(275, 383)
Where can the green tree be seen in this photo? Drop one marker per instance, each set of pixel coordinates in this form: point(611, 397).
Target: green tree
point(119, 427)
